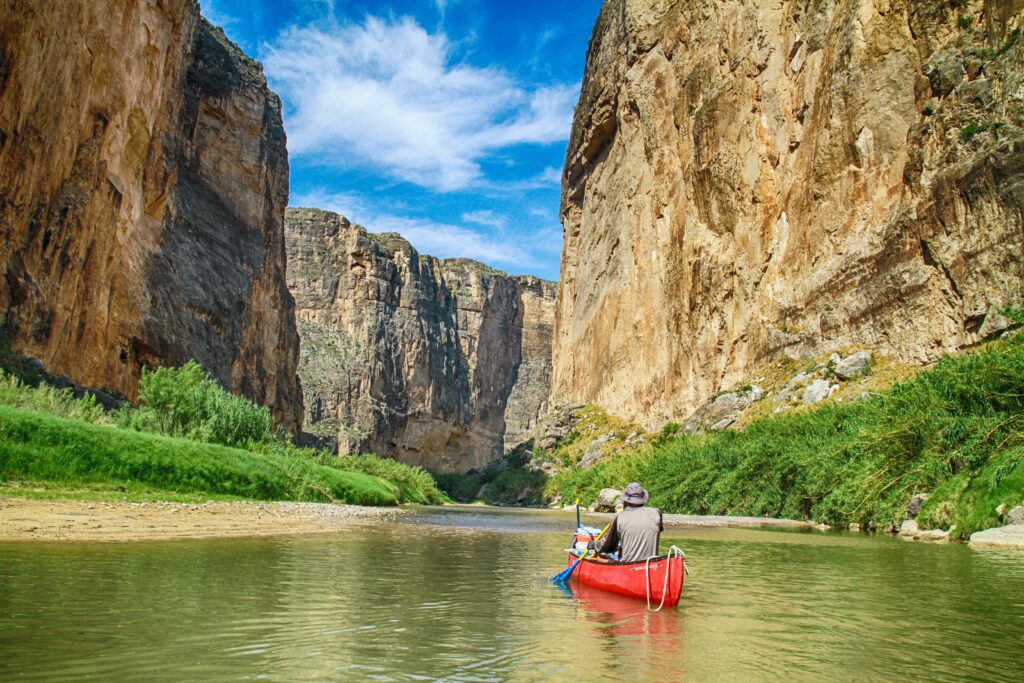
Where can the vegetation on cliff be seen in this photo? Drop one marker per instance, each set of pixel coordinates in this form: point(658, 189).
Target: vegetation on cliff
point(186, 436)
point(955, 430)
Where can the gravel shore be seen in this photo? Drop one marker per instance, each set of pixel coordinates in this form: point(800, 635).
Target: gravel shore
point(73, 520)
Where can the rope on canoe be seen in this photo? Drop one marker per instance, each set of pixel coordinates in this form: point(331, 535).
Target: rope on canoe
point(672, 552)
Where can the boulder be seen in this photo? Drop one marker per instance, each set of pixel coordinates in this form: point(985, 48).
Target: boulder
point(945, 70)
point(853, 366)
point(722, 424)
point(914, 508)
point(934, 536)
point(608, 500)
point(1009, 537)
point(802, 378)
point(722, 411)
point(816, 391)
point(595, 451)
point(1016, 516)
point(909, 528)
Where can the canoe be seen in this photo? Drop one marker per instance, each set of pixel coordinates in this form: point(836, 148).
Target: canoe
point(644, 580)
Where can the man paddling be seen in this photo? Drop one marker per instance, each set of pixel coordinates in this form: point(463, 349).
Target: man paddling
point(636, 530)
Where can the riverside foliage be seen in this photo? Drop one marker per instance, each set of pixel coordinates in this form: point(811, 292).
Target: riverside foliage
point(187, 435)
point(956, 430)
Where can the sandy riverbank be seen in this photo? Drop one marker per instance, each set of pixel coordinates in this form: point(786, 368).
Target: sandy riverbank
point(75, 520)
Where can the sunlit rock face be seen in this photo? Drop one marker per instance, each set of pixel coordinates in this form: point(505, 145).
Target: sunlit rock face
point(438, 363)
point(747, 178)
point(143, 182)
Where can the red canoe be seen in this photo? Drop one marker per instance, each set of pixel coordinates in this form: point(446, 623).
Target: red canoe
point(644, 580)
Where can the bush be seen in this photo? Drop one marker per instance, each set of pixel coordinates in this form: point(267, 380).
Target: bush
point(187, 402)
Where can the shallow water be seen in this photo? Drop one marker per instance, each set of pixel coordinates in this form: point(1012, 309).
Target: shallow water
point(463, 595)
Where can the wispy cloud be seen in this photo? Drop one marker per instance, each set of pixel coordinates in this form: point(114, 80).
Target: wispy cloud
point(523, 251)
point(449, 241)
point(215, 16)
point(486, 218)
point(350, 205)
point(391, 95)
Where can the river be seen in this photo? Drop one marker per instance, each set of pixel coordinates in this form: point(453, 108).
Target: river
point(463, 595)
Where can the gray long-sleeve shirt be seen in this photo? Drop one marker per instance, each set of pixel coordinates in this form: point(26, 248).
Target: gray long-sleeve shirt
point(637, 530)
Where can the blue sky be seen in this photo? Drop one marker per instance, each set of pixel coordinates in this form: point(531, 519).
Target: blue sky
point(444, 120)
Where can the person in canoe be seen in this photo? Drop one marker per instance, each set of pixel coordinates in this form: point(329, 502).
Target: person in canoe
point(636, 530)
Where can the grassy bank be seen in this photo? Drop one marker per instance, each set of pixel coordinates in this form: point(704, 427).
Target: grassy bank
point(956, 430)
point(75, 454)
point(187, 439)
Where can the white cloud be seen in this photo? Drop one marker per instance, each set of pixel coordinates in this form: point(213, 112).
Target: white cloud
point(552, 175)
point(214, 16)
point(515, 252)
point(389, 94)
point(451, 241)
point(486, 218)
point(351, 206)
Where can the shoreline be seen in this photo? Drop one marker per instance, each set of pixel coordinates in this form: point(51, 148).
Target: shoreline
point(82, 520)
point(48, 520)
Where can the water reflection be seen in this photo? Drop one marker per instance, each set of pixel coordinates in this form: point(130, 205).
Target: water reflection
point(465, 596)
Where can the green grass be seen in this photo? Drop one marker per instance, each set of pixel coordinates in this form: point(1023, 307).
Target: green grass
point(198, 415)
point(411, 484)
point(105, 492)
point(956, 429)
point(74, 454)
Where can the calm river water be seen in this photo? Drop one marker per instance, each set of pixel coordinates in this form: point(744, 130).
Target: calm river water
point(463, 595)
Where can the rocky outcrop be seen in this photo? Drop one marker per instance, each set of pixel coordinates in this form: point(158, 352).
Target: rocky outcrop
point(143, 182)
point(748, 179)
point(438, 363)
point(1006, 537)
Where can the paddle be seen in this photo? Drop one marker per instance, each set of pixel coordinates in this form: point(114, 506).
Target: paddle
point(565, 574)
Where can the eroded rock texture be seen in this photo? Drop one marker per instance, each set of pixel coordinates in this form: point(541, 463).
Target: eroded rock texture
point(434, 363)
point(748, 178)
point(143, 182)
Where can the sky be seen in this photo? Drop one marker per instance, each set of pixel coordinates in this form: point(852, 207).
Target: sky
point(444, 120)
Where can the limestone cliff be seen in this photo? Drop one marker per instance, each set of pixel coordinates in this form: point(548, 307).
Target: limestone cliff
point(438, 363)
point(143, 182)
point(746, 179)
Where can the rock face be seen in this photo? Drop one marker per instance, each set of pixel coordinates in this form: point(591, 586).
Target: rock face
point(746, 179)
point(143, 182)
point(434, 363)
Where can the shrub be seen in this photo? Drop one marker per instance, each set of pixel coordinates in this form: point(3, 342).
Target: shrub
point(968, 132)
point(47, 399)
point(187, 402)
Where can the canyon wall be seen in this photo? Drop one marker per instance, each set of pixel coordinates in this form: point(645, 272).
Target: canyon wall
point(438, 363)
point(746, 179)
point(143, 182)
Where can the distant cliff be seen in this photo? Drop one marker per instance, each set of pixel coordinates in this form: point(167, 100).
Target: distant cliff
point(746, 179)
point(439, 363)
point(143, 182)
